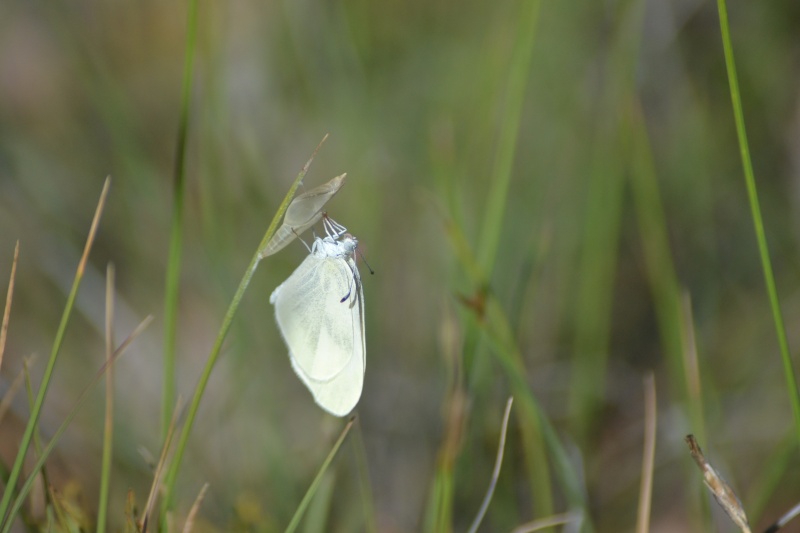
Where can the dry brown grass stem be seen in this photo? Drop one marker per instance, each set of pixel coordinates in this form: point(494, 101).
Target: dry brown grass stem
point(9, 297)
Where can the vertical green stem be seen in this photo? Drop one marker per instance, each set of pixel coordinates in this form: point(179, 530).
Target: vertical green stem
point(108, 430)
point(755, 210)
point(507, 144)
point(176, 226)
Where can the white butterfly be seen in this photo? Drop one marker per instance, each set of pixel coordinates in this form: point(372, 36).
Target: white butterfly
point(320, 312)
point(304, 211)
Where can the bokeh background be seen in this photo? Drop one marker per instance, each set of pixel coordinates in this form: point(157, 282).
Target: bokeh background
point(568, 171)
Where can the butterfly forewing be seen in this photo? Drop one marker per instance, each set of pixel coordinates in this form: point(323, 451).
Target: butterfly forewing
point(309, 313)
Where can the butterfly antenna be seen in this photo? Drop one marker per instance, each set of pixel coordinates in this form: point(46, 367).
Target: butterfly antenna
point(364, 259)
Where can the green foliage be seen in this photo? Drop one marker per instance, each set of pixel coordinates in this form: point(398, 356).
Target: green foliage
point(551, 196)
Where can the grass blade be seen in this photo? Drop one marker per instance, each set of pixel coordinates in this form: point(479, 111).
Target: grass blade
point(7, 310)
point(162, 460)
point(496, 472)
point(360, 452)
point(648, 457)
point(33, 420)
point(48, 495)
point(176, 226)
point(183, 439)
point(785, 519)
point(507, 144)
point(108, 429)
point(190, 518)
point(298, 515)
point(755, 210)
point(602, 223)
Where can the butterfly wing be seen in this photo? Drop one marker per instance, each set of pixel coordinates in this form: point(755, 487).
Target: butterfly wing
point(340, 394)
point(325, 334)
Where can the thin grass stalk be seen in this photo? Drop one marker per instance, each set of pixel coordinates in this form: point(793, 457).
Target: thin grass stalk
point(172, 288)
point(654, 240)
point(162, 461)
point(317, 516)
point(108, 427)
point(649, 455)
point(438, 513)
point(33, 420)
point(298, 514)
point(84, 396)
point(692, 367)
point(190, 518)
point(492, 226)
point(9, 298)
point(180, 449)
point(697, 506)
point(755, 210)
point(37, 448)
point(360, 452)
point(444, 515)
point(495, 472)
point(785, 519)
point(599, 254)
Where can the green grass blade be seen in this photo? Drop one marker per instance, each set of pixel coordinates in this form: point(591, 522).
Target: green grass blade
point(319, 508)
point(298, 514)
point(599, 252)
point(37, 441)
point(176, 227)
point(360, 453)
point(755, 209)
point(660, 266)
point(507, 144)
point(108, 429)
point(180, 449)
point(438, 514)
point(51, 363)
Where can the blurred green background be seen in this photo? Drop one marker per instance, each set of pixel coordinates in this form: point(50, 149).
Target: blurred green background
point(554, 181)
